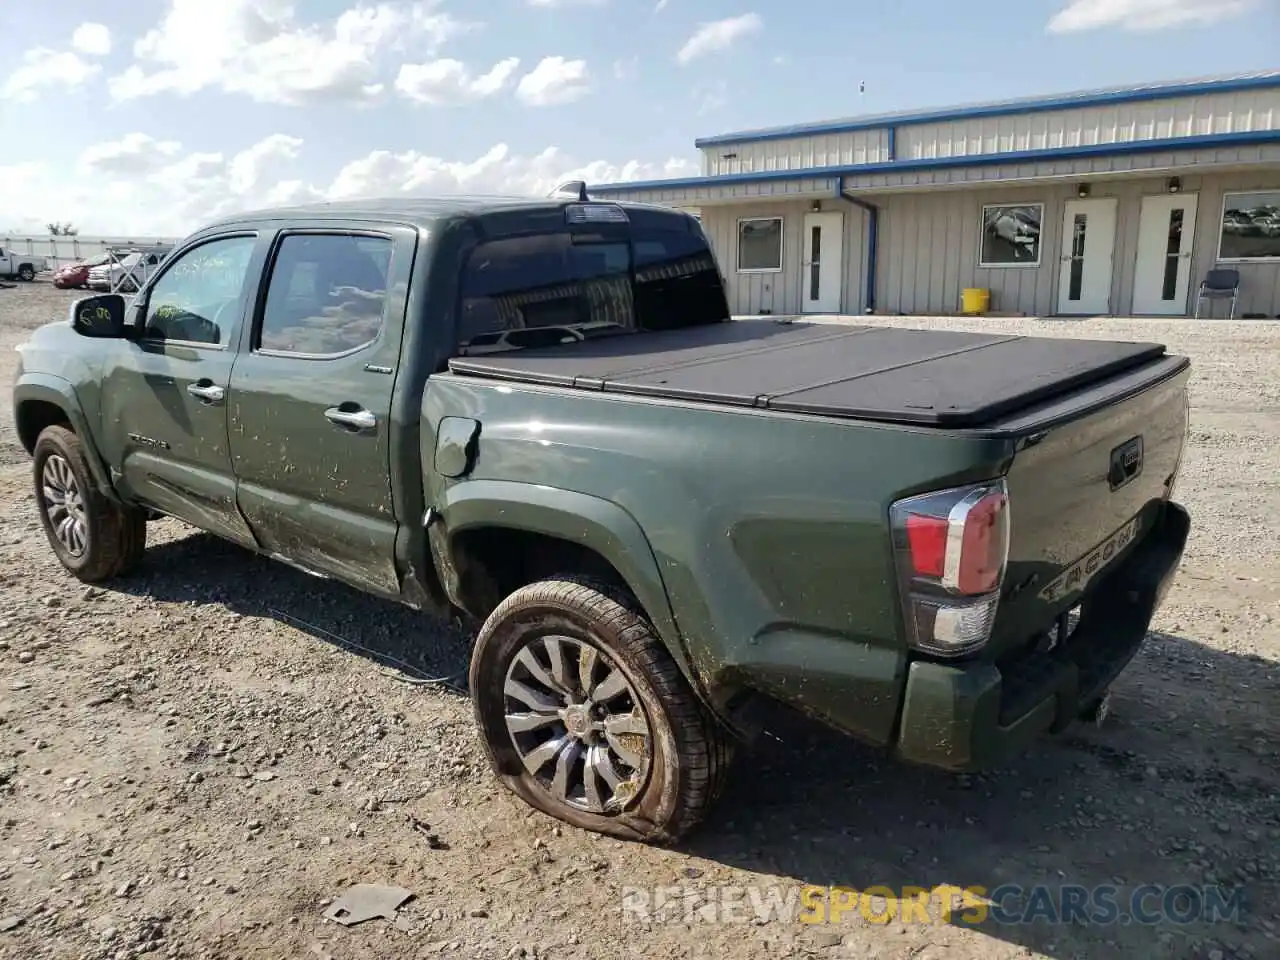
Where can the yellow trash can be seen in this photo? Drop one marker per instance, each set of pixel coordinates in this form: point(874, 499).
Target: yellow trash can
point(975, 300)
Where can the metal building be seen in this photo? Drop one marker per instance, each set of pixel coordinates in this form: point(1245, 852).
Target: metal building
point(1105, 202)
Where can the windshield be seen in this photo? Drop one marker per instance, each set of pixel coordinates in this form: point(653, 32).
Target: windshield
point(551, 288)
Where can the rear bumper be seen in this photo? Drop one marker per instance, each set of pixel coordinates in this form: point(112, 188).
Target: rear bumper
point(964, 717)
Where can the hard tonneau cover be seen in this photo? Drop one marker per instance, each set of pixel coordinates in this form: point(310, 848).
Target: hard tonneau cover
point(940, 378)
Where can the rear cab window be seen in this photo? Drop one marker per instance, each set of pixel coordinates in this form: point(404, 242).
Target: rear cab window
point(585, 280)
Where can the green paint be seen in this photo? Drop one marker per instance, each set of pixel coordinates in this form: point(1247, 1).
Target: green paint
point(757, 542)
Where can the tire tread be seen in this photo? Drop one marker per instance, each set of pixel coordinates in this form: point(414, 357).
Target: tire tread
point(703, 747)
point(117, 535)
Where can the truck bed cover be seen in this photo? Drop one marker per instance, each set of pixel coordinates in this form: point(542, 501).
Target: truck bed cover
point(944, 378)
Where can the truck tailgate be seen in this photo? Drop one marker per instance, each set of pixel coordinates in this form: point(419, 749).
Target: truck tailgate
point(1080, 495)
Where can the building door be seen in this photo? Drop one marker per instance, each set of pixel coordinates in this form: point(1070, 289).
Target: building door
point(1088, 241)
point(1163, 273)
point(822, 263)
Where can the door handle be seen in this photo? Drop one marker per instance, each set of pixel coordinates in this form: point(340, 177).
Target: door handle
point(355, 419)
point(206, 392)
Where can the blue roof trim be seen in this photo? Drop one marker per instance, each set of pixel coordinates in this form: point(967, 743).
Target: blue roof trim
point(1159, 91)
point(980, 160)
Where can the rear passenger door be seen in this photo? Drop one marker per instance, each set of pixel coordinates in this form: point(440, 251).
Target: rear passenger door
point(311, 400)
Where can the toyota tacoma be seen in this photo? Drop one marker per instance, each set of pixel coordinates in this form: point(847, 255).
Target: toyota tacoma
point(539, 413)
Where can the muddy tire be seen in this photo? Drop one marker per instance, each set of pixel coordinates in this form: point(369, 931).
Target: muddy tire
point(586, 716)
point(94, 538)
point(26, 273)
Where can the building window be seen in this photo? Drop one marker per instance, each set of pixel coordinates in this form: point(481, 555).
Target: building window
point(1011, 235)
point(760, 245)
point(1250, 226)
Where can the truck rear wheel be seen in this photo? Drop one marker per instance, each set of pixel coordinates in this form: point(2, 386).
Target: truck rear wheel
point(586, 716)
point(26, 272)
point(92, 537)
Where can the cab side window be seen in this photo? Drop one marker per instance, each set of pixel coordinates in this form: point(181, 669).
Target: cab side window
point(199, 297)
point(327, 294)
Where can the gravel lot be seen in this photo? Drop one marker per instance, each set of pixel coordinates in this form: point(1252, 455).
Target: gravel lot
point(194, 759)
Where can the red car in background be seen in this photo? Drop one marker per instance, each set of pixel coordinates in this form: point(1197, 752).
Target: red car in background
point(73, 275)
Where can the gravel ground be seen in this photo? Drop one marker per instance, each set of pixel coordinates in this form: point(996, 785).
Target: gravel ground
point(193, 760)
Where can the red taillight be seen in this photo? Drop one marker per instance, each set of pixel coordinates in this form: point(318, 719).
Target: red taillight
point(927, 540)
point(984, 545)
point(952, 547)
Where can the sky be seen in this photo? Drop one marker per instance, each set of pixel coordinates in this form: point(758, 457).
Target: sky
point(152, 117)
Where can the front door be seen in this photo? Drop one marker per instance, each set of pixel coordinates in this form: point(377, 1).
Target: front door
point(1088, 241)
point(164, 395)
point(311, 421)
point(1163, 274)
point(822, 265)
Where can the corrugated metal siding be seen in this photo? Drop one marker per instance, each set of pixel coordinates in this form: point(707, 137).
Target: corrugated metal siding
point(929, 246)
point(929, 238)
point(780, 293)
point(728, 193)
point(1088, 167)
point(929, 252)
point(831, 150)
point(1240, 112)
point(1259, 282)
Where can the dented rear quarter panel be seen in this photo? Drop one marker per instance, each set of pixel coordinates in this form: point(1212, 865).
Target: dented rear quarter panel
point(770, 531)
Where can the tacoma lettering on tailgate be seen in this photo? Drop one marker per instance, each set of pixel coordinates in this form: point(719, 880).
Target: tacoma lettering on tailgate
point(1081, 572)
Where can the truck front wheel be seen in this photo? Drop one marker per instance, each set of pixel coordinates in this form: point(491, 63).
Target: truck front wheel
point(92, 537)
point(586, 716)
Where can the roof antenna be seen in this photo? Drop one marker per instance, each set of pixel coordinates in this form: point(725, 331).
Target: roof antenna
point(571, 190)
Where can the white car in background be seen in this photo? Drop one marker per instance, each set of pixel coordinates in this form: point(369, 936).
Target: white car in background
point(24, 266)
point(126, 274)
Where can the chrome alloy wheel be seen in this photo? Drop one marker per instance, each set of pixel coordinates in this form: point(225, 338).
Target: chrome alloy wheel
point(64, 505)
point(577, 724)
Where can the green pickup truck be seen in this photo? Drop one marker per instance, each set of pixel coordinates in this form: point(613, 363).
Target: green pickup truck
point(540, 414)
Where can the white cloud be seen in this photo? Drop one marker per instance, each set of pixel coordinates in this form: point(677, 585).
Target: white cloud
point(553, 81)
point(718, 35)
point(42, 69)
point(250, 169)
point(712, 97)
point(93, 39)
point(259, 49)
point(552, 4)
point(443, 82)
point(1082, 15)
point(140, 185)
point(134, 154)
point(660, 6)
point(497, 171)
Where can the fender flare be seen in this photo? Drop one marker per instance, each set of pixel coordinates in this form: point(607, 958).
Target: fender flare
point(59, 392)
point(580, 518)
